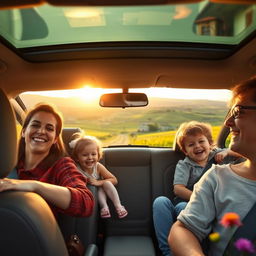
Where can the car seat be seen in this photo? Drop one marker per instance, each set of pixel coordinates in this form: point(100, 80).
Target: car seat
point(67, 136)
point(85, 227)
point(28, 226)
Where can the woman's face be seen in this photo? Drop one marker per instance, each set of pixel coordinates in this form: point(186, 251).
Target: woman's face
point(242, 128)
point(40, 134)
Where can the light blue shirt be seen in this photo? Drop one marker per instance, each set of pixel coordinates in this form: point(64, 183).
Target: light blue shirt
point(219, 191)
point(187, 171)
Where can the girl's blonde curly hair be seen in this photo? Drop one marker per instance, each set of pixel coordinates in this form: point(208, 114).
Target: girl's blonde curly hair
point(80, 141)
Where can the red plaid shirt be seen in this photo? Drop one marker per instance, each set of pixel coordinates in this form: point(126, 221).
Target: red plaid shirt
point(63, 173)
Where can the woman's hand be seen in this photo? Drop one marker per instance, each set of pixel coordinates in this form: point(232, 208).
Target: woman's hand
point(57, 195)
point(21, 185)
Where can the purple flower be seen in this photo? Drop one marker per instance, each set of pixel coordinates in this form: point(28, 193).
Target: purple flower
point(244, 245)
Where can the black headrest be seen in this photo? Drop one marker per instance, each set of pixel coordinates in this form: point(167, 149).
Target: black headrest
point(8, 136)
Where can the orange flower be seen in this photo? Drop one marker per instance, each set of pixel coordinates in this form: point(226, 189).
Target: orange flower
point(230, 219)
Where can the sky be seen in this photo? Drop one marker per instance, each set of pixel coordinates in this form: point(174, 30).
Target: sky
point(88, 93)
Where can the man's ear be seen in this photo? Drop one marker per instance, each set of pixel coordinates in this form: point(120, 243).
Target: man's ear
point(23, 133)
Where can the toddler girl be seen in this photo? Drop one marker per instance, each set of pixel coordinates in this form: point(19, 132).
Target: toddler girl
point(87, 151)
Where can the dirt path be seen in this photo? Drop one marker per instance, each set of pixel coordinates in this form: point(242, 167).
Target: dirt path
point(120, 139)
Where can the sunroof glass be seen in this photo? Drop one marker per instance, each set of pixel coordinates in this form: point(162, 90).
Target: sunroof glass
point(204, 22)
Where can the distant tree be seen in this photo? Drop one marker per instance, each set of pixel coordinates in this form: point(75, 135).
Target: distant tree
point(153, 127)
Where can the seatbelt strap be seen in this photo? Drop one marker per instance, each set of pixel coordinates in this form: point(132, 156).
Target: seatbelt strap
point(13, 174)
point(247, 230)
point(207, 167)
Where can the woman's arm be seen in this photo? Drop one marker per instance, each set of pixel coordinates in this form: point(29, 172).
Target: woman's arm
point(56, 195)
point(183, 242)
point(181, 191)
point(62, 186)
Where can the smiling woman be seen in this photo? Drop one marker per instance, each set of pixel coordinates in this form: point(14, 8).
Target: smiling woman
point(43, 168)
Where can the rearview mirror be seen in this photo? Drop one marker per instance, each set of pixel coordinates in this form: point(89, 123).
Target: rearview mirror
point(123, 100)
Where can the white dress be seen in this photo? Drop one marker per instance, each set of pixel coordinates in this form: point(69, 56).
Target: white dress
point(94, 175)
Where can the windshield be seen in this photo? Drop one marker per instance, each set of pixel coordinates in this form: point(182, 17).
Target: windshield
point(203, 22)
point(154, 125)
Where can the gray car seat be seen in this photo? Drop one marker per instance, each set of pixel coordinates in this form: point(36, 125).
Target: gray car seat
point(85, 227)
point(28, 226)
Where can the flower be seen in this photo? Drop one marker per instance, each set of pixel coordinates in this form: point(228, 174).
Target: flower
point(214, 237)
point(230, 219)
point(244, 245)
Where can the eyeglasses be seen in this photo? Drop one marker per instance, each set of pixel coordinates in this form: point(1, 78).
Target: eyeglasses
point(236, 111)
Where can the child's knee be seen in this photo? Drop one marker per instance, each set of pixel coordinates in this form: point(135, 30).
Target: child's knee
point(107, 184)
point(162, 201)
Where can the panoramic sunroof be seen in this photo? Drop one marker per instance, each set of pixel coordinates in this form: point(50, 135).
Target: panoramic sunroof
point(203, 22)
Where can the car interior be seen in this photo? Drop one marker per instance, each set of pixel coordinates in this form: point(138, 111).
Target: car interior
point(48, 45)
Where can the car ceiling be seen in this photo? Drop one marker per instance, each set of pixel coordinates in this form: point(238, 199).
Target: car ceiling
point(131, 66)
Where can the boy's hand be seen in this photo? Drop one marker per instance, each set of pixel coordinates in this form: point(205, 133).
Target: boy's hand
point(219, 157)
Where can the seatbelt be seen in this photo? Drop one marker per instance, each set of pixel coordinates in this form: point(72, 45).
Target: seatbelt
point(247, 230)
point(13, 174)
point(208, 166)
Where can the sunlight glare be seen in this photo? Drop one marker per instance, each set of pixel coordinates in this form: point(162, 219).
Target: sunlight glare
point(193, 94)
point(89, 94)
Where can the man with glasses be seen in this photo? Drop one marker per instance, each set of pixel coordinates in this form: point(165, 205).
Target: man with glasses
point(237, 110)
point(224, 188)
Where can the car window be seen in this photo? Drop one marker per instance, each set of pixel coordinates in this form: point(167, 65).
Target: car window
point(203, 22)
point(154, 125)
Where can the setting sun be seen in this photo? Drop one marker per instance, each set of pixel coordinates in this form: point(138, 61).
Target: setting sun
point(88, 93)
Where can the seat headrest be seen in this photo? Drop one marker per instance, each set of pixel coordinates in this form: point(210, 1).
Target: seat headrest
point(175, 145)
point(176, 148)
point(66, 136)
point(8, 136)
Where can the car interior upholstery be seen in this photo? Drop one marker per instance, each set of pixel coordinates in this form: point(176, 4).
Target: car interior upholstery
point(24, 214)
point(142, 176)
point(143, 172)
